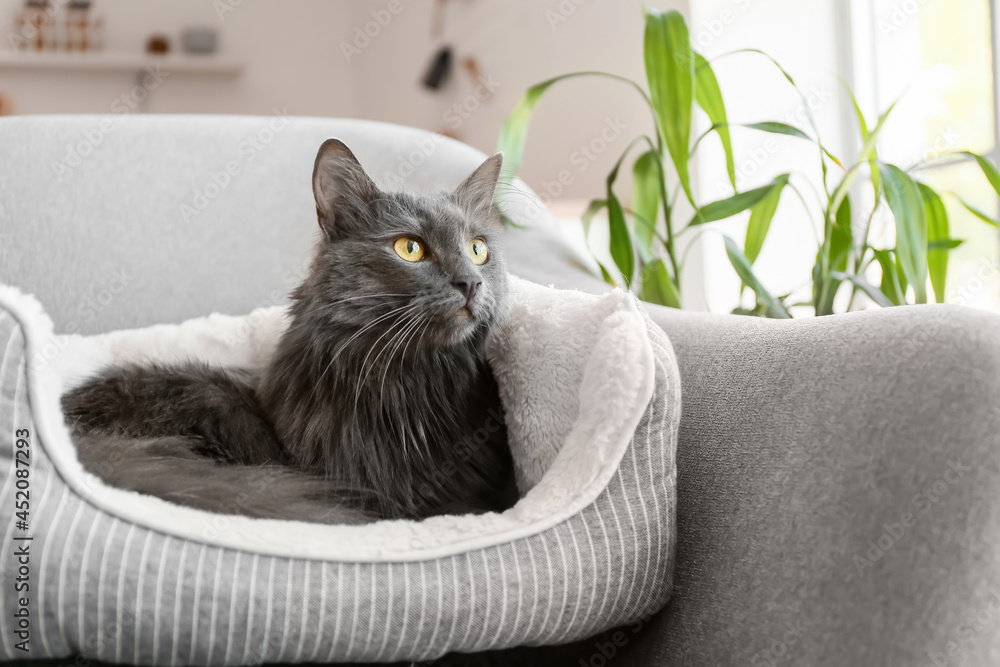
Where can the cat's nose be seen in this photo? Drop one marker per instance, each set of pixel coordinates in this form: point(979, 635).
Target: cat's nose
point(467, 285)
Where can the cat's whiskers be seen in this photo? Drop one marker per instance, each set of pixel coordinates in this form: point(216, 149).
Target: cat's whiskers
point(426, 326)
point(415, 322)
point(403, 320)
point(364, 296)
point(407, 333)
point(360, 331)
point(395, 328)
point(378, 470)
point(404, 335)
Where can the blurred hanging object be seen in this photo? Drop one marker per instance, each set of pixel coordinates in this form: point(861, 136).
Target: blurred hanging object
point(440, 69)
point(471, 66)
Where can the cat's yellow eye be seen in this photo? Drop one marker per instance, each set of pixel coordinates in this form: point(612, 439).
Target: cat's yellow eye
point(409, 248)
point(478, 251)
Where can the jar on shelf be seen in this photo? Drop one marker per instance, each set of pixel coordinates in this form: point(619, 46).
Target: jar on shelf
point(78, 26)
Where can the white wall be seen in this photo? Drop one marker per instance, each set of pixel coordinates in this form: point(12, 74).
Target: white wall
point(518, 43)
point(290, 60)
point(295, 57)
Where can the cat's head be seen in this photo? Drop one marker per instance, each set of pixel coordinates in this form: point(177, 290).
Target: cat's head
point(423, 270)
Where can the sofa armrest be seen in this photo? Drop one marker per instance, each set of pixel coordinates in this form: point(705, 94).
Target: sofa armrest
point(837, 489)
point(837, 485)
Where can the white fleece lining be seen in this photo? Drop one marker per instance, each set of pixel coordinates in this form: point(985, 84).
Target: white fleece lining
point(616, 384)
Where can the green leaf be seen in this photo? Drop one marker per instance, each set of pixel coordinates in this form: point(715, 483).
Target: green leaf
point(772, 127)
point(730, 206)
point(593, 208)
point(874, 293)
point(979, 214)
point(709, 98)
point(782, 128)
point(745, 272)
point(670, 73)
point(869, 152)
point(937, 232)
point(907, 207)
point(843, 232)
point(900, 278)
point(621, 242)
point(944, 244)
point(657, 286)
point(775, 127)
point(621, 248)
point(890, 288)
point(868, 147)
point(865, 134)
point(646, 197)
point(760, 218)
point(992, 175)
point(839, 192)
point(862, 123)
point(841, 235)
point(514, 132)
point(876, 179)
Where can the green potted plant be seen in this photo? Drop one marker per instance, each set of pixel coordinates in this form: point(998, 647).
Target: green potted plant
point(643, 239)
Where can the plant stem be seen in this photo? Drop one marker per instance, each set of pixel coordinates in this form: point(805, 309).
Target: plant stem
point(667, 210)
point(864, 237)
point(812, 220)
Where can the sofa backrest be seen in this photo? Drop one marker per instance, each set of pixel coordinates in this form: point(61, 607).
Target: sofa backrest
point(127, 221)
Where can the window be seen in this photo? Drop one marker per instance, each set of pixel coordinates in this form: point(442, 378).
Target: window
point(937, 57)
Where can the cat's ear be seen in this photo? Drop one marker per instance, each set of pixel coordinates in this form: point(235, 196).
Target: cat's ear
point(342, 188)
point(479, 189)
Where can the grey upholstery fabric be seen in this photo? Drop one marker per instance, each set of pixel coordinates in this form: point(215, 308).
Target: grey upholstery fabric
point(842, 507)
point(803, 444)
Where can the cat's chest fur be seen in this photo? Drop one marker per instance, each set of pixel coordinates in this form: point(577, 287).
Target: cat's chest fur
point(408, 434)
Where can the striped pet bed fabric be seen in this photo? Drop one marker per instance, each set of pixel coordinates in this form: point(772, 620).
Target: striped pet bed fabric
point(116, 576)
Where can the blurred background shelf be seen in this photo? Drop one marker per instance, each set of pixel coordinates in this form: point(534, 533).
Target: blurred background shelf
point(119, 62)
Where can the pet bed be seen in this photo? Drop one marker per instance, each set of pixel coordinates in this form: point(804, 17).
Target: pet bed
point(592, 400)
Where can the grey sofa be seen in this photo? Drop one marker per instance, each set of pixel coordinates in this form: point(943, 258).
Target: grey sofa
point(839, 478)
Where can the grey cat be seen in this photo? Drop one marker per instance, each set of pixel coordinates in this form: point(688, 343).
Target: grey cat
point(378, 402)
